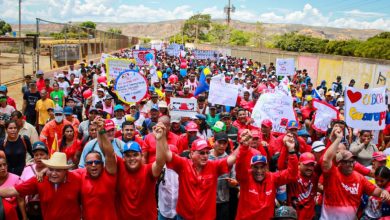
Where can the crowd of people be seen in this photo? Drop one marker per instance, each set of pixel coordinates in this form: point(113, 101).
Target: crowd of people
point(76, 151)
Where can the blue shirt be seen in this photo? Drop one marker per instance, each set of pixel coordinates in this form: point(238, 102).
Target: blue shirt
point(95, 145)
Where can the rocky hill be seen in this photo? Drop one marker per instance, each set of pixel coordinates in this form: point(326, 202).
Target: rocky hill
point(160, 30)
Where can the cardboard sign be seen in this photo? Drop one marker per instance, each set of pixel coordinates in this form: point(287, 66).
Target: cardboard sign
point(285, 67)
point(174, 49)
point(144, 57)
point(115, 66)
point(324, 115)
point(365, 108)
point(205, 54)
point(276, 106)
point(181, 107)
point(222, 93)
point(131, 86)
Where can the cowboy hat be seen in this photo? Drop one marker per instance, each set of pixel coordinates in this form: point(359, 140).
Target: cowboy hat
point(57, 161)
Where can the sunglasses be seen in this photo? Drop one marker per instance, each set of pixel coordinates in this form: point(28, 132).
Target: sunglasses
point(204, 152)
point(96, 162)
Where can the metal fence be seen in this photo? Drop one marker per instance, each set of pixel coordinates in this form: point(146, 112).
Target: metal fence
point(68, 43)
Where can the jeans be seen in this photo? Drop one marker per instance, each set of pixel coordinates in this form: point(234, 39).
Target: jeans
point(161, 217)
point(222, 211)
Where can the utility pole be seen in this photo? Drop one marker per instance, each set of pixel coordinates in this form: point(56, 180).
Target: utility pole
point(20, 60)
point(228, 10)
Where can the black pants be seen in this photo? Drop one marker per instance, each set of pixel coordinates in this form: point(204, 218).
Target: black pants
point(222, 211)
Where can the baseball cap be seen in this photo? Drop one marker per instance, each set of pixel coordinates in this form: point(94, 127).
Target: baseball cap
point(191, 126)
point(39, 145)
point(100, 90)
point(303, 133)
point(219, 126)
point(200, 116)
point(3, 96)
point(61, 75)
point(154, 95)
point(309, 98)
point(175, 120)
point(118, 107)
point(154, 107)
point(68, 110)
point(162, 104)
point(345, 155)
point(221, 137)
point(93, 109)
point(292, 124)
point(267, 123)
point(307, 158)
point(318, 146)
point(58, 110)
point(76, 81)
point(284, 212)
point(199, 144)
point(39, 72)
point(132, 146)
point(225, 115)
point(379, 156)
point(255, 133)
point(340, 99)
point(3, 88)
point(109, 124)
point(258, 159)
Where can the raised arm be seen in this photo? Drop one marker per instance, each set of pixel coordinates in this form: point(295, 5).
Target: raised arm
point(162, 149)
point(106, 146)
point(291, 173)
point(244, 157)
point(336, 135)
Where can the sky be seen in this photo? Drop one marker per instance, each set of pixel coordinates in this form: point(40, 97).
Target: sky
point(360, 14)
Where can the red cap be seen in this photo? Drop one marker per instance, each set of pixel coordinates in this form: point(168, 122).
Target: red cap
point(256, 133)
point(228, 78)
point(379, 156)
point(267, 123)
point(191, 126)
point(199, 144)
point(109, 124)
point(307, 158)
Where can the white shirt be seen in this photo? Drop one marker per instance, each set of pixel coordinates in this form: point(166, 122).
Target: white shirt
point(168, 192)
point(64, 86)
point(118, 123)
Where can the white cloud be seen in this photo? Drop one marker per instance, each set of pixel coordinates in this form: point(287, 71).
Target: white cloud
point(107, 11)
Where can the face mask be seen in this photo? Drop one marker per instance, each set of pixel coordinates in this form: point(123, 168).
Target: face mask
point(59, 118)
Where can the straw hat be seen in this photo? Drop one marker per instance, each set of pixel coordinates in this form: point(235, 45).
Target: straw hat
point(57, 161)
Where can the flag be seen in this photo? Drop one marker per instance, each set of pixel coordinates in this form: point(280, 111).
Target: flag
point(54, 145)
point(316, 94)
point(203, 85)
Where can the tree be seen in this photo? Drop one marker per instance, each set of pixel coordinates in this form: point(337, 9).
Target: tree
point(258, 35)
point(115, 30)
point(88, 24)
point(218, 33)
point(239, 38)
point(4, 27)
point(195, 26)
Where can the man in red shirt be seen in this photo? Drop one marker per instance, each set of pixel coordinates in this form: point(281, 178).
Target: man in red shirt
point(99, 179)
point(266, 138)
point(149, 150)
point(136, 186)
point(302, 193)
point(40, 80)
point(243, 121)
point(343, 187)
point(184, 139)
point(59, 191)
point(198, 178)
point(257, 185)
point(308, 108)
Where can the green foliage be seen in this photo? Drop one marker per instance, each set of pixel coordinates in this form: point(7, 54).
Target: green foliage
point(4, 27)
point(115, 30)
point(70, 35)
point(146, 40)
point(196, 26)
point(179, 38)
point(88, 24)
point(239, 38)
point(375, 47)
point(218, 33)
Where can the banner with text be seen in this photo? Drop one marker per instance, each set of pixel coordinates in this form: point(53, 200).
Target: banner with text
point(144, 57)
point(324, 115)
point(222, 93)
point(181, 107)
point(285, 67)
point(131, 86)
point(115, 66)
point(174, 49)
point(205, 54)
point(276, 106)
point(365, 108)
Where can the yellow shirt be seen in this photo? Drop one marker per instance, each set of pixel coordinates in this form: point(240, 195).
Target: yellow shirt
point(41, 107)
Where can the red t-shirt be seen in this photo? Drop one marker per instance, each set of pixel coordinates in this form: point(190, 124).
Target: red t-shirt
point(342, 194)
point(61, 201)
point(136, 193)
point(282, 162)
point(257, 199)
point(41, 84)
point(150, 145)
point(306, 110)
point(9, 210)
point(98, 196)
point(197, 191)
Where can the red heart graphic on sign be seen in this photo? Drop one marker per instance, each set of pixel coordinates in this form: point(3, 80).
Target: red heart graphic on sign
point(133, 97)
point(141, 55)
point(354, 96)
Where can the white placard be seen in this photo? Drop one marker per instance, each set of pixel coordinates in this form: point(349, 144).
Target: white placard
point(140, 56)
point(115, 66)
point(276, 106)
point(285, 67)
point(222, 93)
point(131, 86)
point(181, 107)
point(365, 108)
point(325, 113)
point(205, 54)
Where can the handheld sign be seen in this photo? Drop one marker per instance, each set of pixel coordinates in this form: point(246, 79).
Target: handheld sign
point(144, 57)
point(285, 67)
point(222, 93)
point(183, 107)
point(365, 108)
point(131, 86)
point(115, 66)
point(324, 115)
